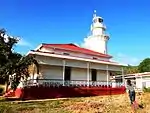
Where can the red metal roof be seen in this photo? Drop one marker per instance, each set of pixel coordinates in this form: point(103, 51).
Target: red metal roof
point(75, 48)
point(72, 56)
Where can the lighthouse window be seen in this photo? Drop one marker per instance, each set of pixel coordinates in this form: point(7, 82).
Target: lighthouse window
point(100, 20)
point(95, 20)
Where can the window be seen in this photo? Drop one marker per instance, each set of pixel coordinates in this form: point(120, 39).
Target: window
point(94, 58)
point(111, 74)
point(66, 53)
point(94, 74)
point(52, 52)
point(95, 20)
point(100, 20)
point(67, 73)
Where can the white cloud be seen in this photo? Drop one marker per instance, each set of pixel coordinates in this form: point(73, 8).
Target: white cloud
point(23, 42)
point(120, 57)
point(83, 44)
point(126, 59)
point(92, 43)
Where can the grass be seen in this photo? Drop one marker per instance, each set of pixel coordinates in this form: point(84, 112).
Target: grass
point(99, 104)
point(2, 85)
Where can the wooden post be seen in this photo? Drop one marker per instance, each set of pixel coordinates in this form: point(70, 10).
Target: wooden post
point(107, 74)
point(142, 82)
point(64, 63)
point(88, 74)
point(123, 76)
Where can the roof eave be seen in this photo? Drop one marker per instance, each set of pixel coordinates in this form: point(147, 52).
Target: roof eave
point(103, 55)
point(75, 58)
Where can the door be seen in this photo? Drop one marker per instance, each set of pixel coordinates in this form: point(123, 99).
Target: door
point(67, 73)
point(94, 74)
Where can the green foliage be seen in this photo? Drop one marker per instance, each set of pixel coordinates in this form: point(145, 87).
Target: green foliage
point(12, 62)
point(131, 69)
point(14, 83)
point(146, 89)
point(144, 66)
point(1, 90)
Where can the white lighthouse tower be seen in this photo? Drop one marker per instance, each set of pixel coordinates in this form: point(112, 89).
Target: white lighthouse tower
point(98, 39)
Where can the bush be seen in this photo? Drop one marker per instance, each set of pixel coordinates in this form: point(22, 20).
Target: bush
point(14, 84)
point(146, 89)
point(1, 90)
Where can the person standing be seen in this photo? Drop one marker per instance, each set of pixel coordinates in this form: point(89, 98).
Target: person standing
point(131, 91)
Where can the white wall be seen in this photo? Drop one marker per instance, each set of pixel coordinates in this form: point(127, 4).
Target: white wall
point(146, 80)
point(139, 82)
point(56, 72)
point(75, 63)
point(78, 74)
point(98, 66)
point(101, 75)
point(49, 60)
point(114, 68)
point(81, 74)
point(52, 68)
point(51, 72)
point(142, 82)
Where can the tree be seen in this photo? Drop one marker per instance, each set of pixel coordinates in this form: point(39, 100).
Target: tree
point(144, 66)
point(131, 69)
point(12, 62)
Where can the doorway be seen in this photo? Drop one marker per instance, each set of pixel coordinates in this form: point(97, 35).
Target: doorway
point(94, 74)
point(67, 73)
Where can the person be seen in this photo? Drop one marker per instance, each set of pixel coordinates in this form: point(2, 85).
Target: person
point(131, 91)
point(132, 94)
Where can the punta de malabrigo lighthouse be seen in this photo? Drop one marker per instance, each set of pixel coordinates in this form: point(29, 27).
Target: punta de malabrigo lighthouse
point(98, 36)
point(68, 70)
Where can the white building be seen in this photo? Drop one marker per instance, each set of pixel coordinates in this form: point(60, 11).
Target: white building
point(69, 64)
point(140, 80)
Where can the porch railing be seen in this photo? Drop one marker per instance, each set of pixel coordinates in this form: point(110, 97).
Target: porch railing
point(58, 82)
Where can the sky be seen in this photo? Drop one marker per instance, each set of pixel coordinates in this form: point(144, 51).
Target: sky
point(68, 21)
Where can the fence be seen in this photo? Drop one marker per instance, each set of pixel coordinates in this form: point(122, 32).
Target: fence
point(70, 83)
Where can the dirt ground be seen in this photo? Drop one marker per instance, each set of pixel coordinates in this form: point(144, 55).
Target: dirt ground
point(99, 104)
point(110, 104)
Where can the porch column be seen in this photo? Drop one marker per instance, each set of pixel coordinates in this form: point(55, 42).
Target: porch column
point(33, 74)
point(141, 83)
point(88, 73)
point(107, 74)
point(64, 63)
point(123, 76)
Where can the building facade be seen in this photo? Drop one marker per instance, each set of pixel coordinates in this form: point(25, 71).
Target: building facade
point(70, 67)
point(72, 64)
point(140, 80)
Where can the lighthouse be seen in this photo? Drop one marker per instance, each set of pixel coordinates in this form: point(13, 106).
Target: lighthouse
point(98, 39)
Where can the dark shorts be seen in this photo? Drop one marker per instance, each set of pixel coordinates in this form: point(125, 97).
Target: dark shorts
point(132, 96)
